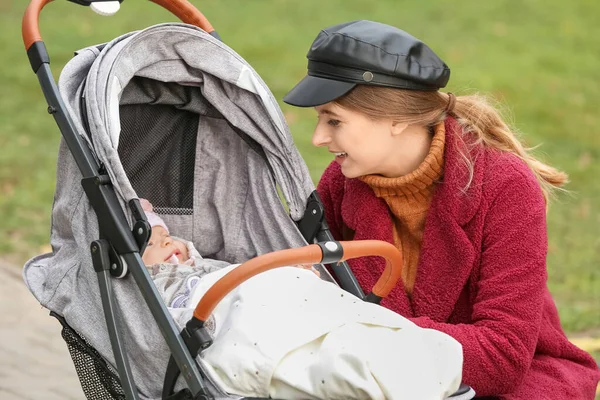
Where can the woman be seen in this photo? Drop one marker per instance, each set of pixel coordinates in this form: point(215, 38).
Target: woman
point(446, 181)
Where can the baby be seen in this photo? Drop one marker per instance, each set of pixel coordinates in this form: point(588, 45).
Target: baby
point(162, 247)
point(174, 264)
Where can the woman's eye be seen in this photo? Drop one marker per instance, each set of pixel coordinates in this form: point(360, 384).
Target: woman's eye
point(150, 243)
point(333, 122)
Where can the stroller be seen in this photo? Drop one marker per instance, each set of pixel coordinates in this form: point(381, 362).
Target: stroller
point(173, 115)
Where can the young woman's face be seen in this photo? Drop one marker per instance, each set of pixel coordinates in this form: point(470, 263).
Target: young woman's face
point(163, 248)
point(363, 146)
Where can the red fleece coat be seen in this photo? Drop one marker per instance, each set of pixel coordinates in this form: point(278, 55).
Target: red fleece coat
point(481, 276)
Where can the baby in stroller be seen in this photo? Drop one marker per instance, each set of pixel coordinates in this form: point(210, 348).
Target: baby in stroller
point(163, 248)
point(167, 256)
point(265, 346)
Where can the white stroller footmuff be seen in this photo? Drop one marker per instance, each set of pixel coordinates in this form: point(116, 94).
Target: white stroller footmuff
point(287, 334)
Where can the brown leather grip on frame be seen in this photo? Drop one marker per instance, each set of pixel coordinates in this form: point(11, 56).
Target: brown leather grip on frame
point(187, 13)
point(311, 254)
point(182, 9)
point(30, 27)
point(393, 266)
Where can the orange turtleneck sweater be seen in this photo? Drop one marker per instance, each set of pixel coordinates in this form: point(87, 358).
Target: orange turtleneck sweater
point(408, 198)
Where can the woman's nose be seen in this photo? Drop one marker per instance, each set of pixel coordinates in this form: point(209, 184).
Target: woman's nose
point(167, 241)
point(320, 137)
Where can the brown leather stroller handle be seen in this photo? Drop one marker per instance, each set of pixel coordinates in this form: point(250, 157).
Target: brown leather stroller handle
point(187, 13)
point(311, 254)
point(30, 27)
point(393, 266)
point(182, 9)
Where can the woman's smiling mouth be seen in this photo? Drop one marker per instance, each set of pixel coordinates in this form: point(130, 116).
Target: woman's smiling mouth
point(340, 156)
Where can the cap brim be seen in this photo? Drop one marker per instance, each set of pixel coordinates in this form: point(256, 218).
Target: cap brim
point(313, 91)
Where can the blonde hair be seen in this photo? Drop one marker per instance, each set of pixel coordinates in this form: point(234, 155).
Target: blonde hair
point(474, 113)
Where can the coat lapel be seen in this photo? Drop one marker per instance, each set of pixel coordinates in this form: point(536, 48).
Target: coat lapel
point(448, 254)
point(369, 217)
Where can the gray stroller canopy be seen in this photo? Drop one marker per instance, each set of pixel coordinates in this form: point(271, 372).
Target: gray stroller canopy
point(177, 117)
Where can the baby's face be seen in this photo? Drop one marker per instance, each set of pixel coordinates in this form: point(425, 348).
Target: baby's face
point(163, 248)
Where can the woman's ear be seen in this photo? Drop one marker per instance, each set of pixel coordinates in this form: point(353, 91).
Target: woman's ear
point(398, 127)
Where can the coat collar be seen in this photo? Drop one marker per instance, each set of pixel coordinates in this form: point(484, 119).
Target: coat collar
point(447, 253)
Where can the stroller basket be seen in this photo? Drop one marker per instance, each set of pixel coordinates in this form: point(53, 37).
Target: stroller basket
point(99, 380)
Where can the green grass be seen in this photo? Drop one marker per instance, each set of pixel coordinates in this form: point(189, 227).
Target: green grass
point(538, 57)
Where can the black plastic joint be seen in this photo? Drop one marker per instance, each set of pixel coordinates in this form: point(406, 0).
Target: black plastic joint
point(111, 219)
point(141, 228)
point(100, 255)
point(313, 219)
point(332, 251)
point(137, 210)
point(141, 233)
point(38, 55)
point(204, 338)
point(194, 324)
point(195, 336)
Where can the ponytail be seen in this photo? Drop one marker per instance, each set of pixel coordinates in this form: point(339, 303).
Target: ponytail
point(477, 116)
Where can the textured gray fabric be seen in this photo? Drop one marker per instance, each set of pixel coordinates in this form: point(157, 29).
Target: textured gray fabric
point(237, 211)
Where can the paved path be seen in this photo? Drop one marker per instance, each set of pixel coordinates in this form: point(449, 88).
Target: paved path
point(34, 360)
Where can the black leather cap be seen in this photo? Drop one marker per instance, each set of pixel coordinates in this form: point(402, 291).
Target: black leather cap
point(368, 53)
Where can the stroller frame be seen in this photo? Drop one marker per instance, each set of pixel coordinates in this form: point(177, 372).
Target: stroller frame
point(122, 254)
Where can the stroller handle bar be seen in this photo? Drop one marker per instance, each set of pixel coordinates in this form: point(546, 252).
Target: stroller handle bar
point(327, 252)
point(182, 9)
